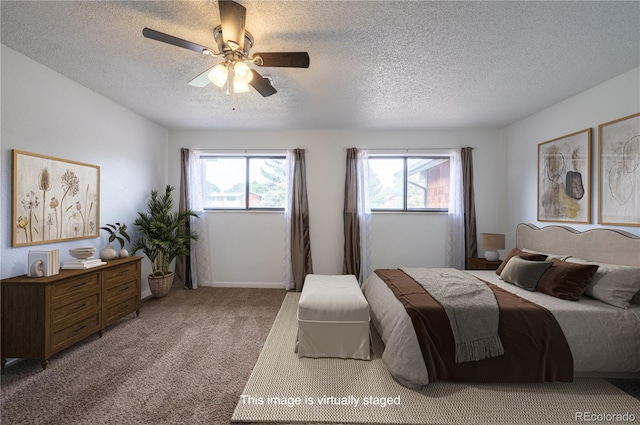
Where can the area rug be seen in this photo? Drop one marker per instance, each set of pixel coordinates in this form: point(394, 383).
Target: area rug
point(285, 388)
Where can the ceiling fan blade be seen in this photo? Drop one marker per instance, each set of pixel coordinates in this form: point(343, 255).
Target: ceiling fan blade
point(201, 80)
point(169, 39)
point(284, 59)
point(232, 19)
point(261, 84)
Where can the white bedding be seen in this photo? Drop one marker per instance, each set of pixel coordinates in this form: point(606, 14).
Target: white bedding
point(603, 339)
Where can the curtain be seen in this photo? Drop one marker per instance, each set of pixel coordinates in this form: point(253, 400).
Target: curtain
point(456, 222)
point(195, 269)
point(471, 244)
point(298, 241)
point(357, 216)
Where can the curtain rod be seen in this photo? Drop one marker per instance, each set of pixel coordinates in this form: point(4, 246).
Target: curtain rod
point(413, 149)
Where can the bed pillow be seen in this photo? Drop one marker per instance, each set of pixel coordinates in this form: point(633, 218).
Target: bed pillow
point(567, 281)
point(523, 255)
point(549, 256)
point(524, 273)
point(613, 284)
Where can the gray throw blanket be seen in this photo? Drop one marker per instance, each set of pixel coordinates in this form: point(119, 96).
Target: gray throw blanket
point(471, 307)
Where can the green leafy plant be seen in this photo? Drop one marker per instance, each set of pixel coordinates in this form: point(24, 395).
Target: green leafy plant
point(163, 232)
point(117, 232)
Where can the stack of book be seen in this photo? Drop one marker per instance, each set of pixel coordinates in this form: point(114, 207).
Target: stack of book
point(82, 263)
point(44, 262)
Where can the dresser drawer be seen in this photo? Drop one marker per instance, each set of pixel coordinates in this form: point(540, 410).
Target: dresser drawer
point(75, 288)
point(123, 289)
point(121, 309)
point(116, 275)
point(66, 314)
point(71, 334)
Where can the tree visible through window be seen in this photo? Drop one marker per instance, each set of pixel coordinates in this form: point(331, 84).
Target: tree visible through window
point(244, 182)
point(409, 183)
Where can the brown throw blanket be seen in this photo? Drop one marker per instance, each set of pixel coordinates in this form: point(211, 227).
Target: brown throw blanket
point(535, 349)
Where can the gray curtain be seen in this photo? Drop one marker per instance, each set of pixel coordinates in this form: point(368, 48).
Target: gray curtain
point(183, 262)
point(351, 262)
point(301, 264)
point(471, 245)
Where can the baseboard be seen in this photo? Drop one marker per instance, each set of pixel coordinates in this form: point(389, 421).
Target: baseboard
point(146, 294)
point(271, 285)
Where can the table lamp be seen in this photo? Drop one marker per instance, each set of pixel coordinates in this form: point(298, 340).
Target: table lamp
point(491, 242)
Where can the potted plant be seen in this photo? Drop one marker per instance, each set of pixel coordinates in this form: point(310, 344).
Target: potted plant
point(117, 232)
point(163, 235)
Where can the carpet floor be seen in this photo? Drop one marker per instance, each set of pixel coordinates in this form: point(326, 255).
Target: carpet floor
point(283, 387)
point(185, 360)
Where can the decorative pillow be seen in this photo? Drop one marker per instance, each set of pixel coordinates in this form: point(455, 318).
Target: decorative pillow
point(566, 280)
point(612, 283)
point(524, 273)
point(523, 255)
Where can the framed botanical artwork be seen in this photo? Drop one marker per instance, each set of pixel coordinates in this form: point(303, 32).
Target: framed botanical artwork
point(619, 171)
point(53, 199)
point(564, 182)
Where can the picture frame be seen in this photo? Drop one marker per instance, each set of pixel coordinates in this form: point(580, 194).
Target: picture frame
point(619, 171)
point(53, 199)
point(564, 178)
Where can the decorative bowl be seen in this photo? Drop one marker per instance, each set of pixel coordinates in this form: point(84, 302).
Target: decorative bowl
point(82, 253)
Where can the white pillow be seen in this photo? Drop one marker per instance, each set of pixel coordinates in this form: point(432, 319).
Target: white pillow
point(612, 283)
point(549, 256)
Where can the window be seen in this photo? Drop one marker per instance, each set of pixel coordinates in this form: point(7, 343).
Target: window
point(244, 182)
point(408, 183)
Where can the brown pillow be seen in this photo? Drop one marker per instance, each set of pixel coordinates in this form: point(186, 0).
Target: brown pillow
point(524, 255)
point(566, 280)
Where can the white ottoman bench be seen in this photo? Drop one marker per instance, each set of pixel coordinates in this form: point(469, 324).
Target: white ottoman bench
point(333, 318)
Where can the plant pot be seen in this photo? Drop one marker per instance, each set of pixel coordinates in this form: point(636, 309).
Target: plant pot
point(160, 285)
point(108, 253)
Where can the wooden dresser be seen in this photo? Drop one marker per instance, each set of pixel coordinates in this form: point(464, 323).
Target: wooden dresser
point(44, 315)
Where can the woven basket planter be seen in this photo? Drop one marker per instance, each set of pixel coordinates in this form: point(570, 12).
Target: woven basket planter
point(160, 286)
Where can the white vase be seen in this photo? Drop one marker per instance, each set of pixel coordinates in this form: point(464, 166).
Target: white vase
point(108, 253)
point(123, 253)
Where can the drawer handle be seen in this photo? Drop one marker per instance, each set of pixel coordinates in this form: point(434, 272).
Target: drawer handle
point(75, 331)
point(80, 284)
point(126, 288)
point(124, 307)
point(79, 307)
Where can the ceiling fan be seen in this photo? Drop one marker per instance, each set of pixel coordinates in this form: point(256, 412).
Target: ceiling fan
point(234, 44)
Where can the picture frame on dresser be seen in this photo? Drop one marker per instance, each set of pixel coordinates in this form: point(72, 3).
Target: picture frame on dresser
point(53, 199)
point(564, 178)
point(619, 171)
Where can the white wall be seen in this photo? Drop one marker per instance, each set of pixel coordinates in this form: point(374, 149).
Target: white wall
point(249, 246)
point(608, 101)
point(46, 113)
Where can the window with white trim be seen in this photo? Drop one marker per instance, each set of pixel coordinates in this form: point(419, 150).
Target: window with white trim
point(408, 183)
point(244, 182)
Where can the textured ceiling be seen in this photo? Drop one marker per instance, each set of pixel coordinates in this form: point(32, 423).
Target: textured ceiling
point(374, 64)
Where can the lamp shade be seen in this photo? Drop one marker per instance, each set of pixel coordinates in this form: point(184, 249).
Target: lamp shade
point(492, 242)
point(218, 74)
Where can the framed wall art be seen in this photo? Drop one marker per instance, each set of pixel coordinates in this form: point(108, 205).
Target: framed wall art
point(619, 171)
point(564, 183)
point(53, 199)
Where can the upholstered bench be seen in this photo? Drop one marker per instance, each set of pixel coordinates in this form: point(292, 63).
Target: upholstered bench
point(333, 318)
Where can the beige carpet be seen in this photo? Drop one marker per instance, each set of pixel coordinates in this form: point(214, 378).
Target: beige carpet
point(284, 388)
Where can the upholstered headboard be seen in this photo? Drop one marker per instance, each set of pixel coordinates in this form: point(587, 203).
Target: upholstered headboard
point(598, 245)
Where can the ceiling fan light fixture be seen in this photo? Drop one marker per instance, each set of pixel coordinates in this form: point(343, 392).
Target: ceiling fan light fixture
point(218, 74)
point(239, 86)
point(242, 73)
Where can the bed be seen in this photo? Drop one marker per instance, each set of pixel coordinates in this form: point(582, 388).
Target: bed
point(604, 339)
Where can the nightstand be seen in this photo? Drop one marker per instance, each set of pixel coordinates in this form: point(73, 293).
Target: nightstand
point(482, 264)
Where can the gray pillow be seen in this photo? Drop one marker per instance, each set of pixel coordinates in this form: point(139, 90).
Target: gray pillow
point(614, 284)
point(524, 273)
